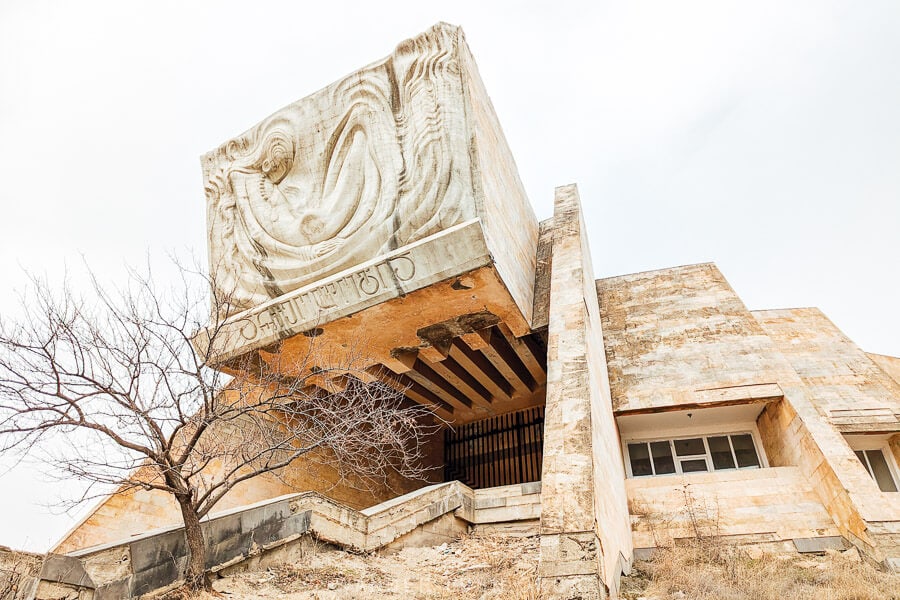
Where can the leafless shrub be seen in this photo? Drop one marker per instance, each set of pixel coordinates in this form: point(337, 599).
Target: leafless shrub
point(702, 517)
point(657, 522)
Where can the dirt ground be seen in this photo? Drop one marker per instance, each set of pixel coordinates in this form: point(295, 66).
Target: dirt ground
point(488, 568)
point(505, 568)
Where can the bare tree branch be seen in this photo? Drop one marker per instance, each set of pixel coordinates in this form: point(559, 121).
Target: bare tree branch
point(114, 392)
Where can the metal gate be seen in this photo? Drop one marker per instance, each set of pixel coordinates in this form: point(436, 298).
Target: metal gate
point(502, 450)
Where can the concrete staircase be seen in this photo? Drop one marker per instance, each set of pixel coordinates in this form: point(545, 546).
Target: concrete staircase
point(153, 562)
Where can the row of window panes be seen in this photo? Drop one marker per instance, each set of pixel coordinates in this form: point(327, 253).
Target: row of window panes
point(693, 455)
point(876, 465)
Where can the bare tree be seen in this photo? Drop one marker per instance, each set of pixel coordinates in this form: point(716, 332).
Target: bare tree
point(110, 384)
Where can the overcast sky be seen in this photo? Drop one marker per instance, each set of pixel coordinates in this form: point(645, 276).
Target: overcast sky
point(761, 135)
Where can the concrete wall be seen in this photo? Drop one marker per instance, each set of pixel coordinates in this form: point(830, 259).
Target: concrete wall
point(837, 387)
point(135, 511)
point(671, 334)
point(844, 383)
point(510, 226)
point(889, 364)
point(584, 522)
point(789, 439)
point(675, 336)
point(751, 506)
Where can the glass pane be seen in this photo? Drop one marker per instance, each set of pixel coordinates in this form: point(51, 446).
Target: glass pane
point(694, 465)
point(744, 451)
point(689, 447)
point(880, 471)
point(640, 460)
point(662, 457)
point(859, 454)
point(721, 453)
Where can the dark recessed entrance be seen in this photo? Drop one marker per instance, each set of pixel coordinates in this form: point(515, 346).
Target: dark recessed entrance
point(502, 450)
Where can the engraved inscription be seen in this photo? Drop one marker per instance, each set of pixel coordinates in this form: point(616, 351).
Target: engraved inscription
point(396, 274)
point(345, 291)
point(404, 268)
point(368, 283)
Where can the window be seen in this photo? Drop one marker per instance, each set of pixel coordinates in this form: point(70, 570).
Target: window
point(874, 452)
point(693, 455)
point(877, 466)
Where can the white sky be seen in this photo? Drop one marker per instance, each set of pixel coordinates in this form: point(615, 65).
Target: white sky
point(763, 136)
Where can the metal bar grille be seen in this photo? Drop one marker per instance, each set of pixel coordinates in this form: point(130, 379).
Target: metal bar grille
point(502, 450)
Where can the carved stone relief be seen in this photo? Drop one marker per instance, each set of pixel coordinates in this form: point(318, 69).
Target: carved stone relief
point(365, 166)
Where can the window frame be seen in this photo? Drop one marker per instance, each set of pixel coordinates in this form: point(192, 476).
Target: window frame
point(685, 435)
point(864, 443)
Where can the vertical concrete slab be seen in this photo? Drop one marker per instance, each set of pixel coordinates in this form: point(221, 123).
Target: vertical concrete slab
point(508, 221)
point(585, 532)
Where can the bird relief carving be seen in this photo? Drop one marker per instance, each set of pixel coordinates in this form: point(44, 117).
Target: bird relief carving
point(365, 166)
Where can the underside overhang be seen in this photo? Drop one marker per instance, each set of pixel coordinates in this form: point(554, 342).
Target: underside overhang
point(459, 345)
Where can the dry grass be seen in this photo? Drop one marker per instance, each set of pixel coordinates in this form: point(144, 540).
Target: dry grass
point(500, 568)
point(184, 593)
point(710, 570)
point(293, 578)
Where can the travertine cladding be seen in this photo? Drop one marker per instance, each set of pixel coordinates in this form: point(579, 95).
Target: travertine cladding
point(585, 531)
point(794, 433)
point(673, 335)
point(394, 153)
point(888, 364)
point(761, 506)
point(510, 226)
point(845, 384)
point(507, 503)
point(136, 511)
point(675, 332)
